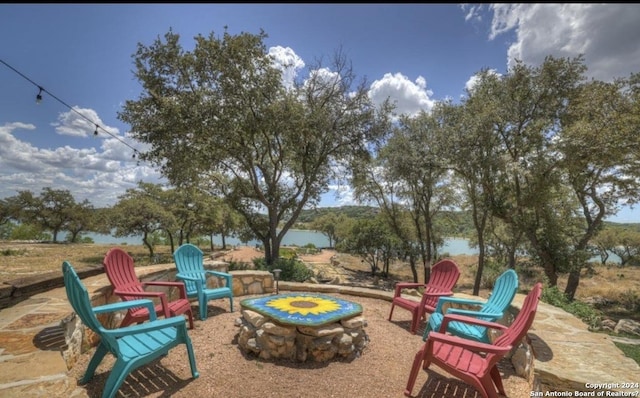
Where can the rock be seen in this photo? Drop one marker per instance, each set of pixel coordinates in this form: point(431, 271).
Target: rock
point(627, 326)
point(598, 301)
point(608, 324)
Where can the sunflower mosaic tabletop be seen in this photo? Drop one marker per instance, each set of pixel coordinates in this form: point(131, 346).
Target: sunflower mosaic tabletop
point(303, 308)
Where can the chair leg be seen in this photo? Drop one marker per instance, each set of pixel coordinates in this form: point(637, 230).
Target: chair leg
point(192, 357)
point(391, 312)
point(190, 316)
point(101, 351)
point(486, 388)
point(118, 374)
point(231, 303)
point(415, 320)
point(415, 368)
point(497, 379)
point(203, 308)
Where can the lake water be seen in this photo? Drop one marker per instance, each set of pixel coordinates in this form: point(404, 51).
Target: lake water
point(294, 237)
point(300, 237)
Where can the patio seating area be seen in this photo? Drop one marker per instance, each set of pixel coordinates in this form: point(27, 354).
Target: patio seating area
point(31, 364)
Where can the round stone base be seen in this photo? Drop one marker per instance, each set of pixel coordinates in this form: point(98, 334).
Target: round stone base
point(262, 336)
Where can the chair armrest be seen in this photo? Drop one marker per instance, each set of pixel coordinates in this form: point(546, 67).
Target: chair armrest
point(220, 275)
point(128, 293)
point(156, 324)
point(196, 279)
point(441, 293)
point(470, 320)
point(491, 315)
point(179, 285)
point(188, 277)
point(406, 285)
point(125, 305)
point(164, 302)
point(470, 345)
point(457, 300)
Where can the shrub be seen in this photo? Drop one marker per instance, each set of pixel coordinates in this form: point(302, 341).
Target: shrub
point(292, 270)
point(310, 248)
point(288, 253)
point(553, 296)
point(239, 266)
point(12, 252)
point(630, 300)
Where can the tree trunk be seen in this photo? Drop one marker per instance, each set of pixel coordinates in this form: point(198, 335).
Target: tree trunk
point(170, 235)
point(476, 283)
point(268, 257)
point(429, 256)
point(572, 284)
point(511, 252)
point(149, 245)
point(412, 264)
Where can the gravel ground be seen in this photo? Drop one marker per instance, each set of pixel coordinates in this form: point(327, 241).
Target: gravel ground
point(381, 371)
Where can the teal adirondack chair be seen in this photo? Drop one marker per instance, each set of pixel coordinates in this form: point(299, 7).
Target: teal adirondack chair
point(189, 262)
point(132, 346)
point(490, 310)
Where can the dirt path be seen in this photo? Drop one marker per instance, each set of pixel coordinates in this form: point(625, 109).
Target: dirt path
point(248, 253)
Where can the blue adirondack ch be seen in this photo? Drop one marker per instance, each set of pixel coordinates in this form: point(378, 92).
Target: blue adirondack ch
point(189, 261)
point(491, 310)
point(132, 346)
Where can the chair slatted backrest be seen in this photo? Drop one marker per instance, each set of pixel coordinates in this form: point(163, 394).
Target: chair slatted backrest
point(444, 276)
point(523, 321)
point(189, 261)
point(502, 294)
point(78, 296)
point(120, 270)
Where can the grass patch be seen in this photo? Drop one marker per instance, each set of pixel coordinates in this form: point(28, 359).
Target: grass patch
point(630, 350)
point(12, 252)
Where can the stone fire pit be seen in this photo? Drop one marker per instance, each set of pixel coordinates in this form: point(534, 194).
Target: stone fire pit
point(301, 327)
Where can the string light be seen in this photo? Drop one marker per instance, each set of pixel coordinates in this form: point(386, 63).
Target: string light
point(39, 99)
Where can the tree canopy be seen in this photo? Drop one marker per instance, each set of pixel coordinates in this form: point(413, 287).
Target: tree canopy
point(221, 118)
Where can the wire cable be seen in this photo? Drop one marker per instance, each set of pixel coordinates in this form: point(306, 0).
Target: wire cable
point(44, 90)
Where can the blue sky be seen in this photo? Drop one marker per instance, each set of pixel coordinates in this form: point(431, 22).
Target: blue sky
point(416, 53)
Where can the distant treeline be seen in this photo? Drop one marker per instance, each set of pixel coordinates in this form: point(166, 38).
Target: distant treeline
point(453, 223)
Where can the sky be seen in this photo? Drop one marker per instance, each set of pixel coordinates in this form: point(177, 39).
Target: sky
point(418, 54)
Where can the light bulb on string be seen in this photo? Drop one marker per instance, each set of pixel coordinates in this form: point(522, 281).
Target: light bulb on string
point(39, 100)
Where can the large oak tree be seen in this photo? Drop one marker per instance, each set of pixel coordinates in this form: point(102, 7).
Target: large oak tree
point(220, 117)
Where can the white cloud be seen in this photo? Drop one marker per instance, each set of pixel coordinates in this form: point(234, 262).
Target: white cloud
point(88, 173)
point(607, 34)
point(82, 122)
point(409, 97)
point(473, 80)
point(339, 195)
point(288, 62)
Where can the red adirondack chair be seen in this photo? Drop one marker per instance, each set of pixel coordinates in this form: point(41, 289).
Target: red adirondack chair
point(473, 362)
point(444, 276)
point(118, 266)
